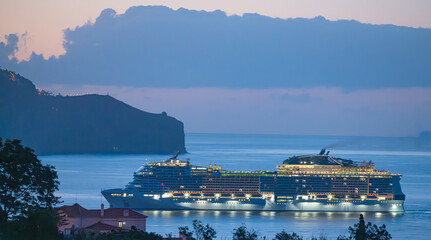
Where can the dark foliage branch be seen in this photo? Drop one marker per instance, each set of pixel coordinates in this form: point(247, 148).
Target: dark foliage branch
point(25, 182)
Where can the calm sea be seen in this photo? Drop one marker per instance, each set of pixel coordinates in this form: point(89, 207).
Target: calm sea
point(83, 176)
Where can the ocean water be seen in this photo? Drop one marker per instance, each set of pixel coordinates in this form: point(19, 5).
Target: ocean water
point(83, 176)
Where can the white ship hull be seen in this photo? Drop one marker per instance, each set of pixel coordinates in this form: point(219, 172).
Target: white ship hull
point(120, 198)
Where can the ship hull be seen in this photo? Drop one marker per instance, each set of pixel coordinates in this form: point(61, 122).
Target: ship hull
point(130, 198)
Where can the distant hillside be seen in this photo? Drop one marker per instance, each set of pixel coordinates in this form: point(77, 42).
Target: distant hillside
point(82, 124)
point(425, 136)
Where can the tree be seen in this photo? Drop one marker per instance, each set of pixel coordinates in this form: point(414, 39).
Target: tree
point(374, 232)
point(360, 233)
point(25, 182)
point(185, 231)
point(322, 236)
point(169, 236)
point(120, 234)
point(39, 224)
point(342, 237)
point(283, 235)
point(203, 232)
point(369, 231)
point(242, 233)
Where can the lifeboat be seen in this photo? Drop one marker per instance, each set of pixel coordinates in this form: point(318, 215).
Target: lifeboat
point(339, 196)
point(226, 195)
point(354, 196)
point(321, 197)
point(178, 194)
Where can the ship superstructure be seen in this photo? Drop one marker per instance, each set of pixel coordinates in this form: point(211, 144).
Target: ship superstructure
point(302, 183)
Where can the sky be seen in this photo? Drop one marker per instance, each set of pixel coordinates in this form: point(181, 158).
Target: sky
point(224, 74)
point(42, 22)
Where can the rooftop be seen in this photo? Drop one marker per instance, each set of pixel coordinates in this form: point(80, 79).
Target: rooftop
point(77, 210)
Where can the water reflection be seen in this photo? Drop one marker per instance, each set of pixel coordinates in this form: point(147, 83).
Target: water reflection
point(216, 213)
point(225, 221)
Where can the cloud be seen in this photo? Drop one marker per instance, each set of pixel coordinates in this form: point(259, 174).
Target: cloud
point(7, 49)
point(160, 47)
point(313, 111)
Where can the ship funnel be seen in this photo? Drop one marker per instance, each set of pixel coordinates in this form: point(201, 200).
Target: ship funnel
point(327, 153)
point(174, 157)
point(322, 152)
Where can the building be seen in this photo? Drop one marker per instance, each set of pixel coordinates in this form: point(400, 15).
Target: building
point(103, 220)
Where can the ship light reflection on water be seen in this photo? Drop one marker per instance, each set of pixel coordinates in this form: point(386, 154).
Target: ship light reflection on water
point(269, 214)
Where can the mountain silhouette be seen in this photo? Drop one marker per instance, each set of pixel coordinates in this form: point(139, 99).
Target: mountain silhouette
point(82, 124)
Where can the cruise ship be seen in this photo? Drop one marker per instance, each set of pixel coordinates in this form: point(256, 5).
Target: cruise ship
point(301, 183)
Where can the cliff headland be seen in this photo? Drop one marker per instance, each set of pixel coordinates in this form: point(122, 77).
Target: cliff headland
point(56, 124)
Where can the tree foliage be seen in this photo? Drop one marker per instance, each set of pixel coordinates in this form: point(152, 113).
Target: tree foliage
point(369, 231)
point(360, 233)
point(186, 232)
point(200, 231)
point(25, 182)
point(283, 235)
point(203, 232)
point(120, 234)
point(242, 233)
point(38, 224)
point(322, 236)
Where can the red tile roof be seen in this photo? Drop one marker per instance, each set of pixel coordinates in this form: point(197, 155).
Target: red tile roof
point(113, 212)
point(73, 211)
point(77, 210)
